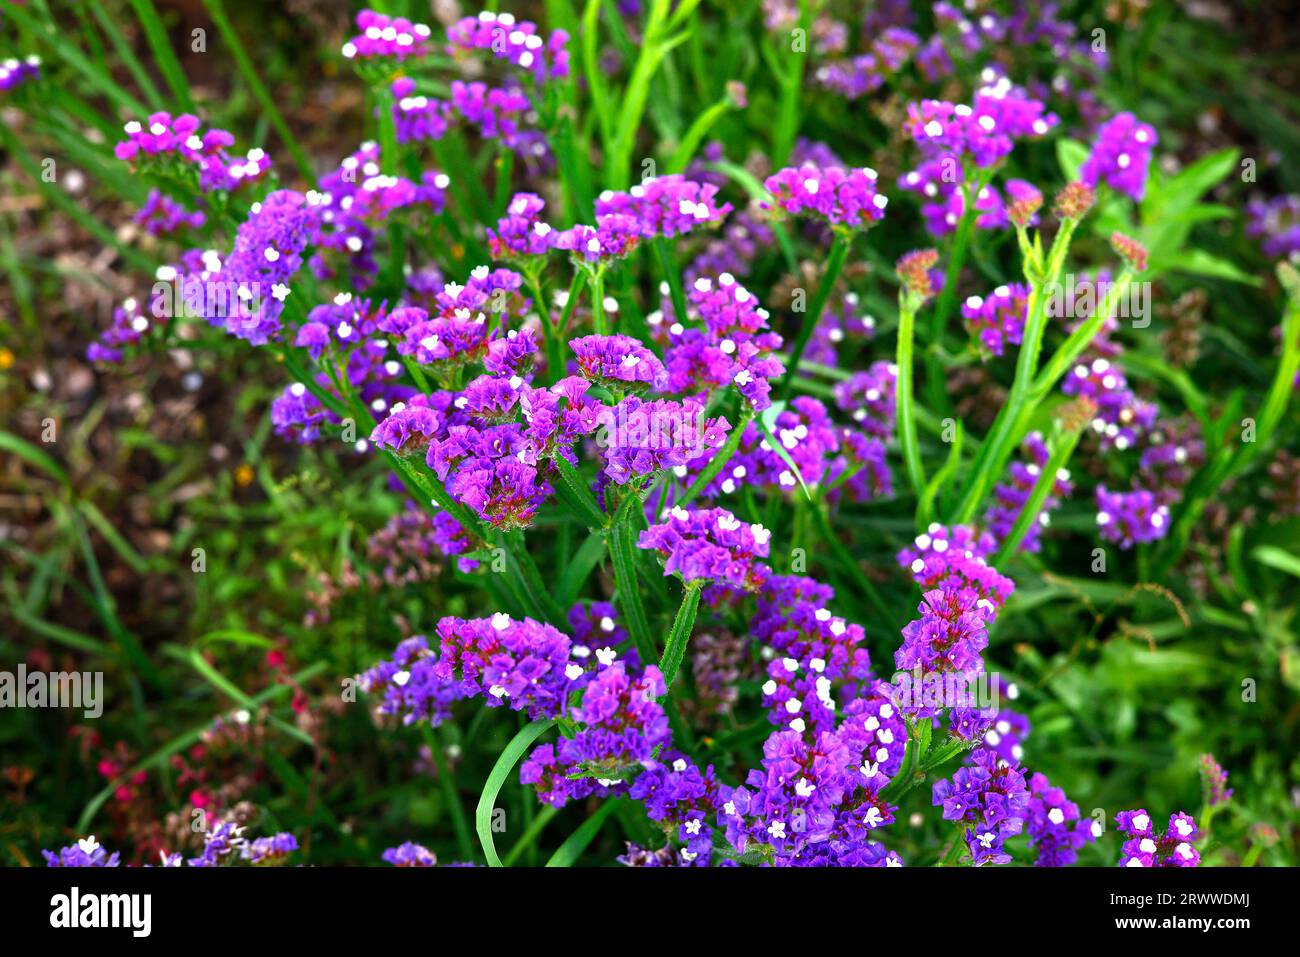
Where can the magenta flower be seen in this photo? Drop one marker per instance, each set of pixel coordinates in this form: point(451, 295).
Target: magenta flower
point(842, 198)
point(1121, 156)
point(710, 545)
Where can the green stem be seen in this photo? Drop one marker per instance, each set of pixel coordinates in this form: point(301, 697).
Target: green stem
point(834, 263)
point(954, 852)
point(598, 324)
point(464, 842)
point(553, 344)
point(719, 461)
point(622, 538)
point(529, 838)
point(1064, 448)
point(571, 301)
point(791, 82)
point(936, 381)
point(216, 8)
point(956, 259)
point(1002, 437)
point(668, 266)
point(654, 47)
point(695, 135)
point(680, 634)
point(925, 505)
point(907, 441)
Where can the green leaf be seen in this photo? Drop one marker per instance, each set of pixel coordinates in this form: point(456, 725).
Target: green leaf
point(1274, 557)
point(622, 551)
point(35, 456)
point(506, 762)
point(1200, 263)
point(576, 493)
point(764, 423)
point(577, 842)
point(1070, 154)
point(680, 635)
point(580, 568)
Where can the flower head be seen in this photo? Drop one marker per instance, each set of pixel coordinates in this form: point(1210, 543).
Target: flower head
point(710, 545)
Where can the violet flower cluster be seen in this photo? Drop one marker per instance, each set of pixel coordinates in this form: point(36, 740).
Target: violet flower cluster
point(1275, 222)
point(989, 796)
point(847, 198)
point(15, 72)
point(1146, 847)
point(711, 546)
point(178, 145)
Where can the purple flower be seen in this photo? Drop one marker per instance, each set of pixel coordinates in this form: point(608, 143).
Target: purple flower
point(812, 654)
point(176, 146)
point(641, 438)
point(999, 317)
point(410, 854)
point(161, 215)
point(523, 664)
point(14, 72)
point(665, 205)
point(521, 232)
point(735, 346)
point(710, 545)
point(269, 850)
point(1276, 222)
point(613, 237)
point(383, 36)
point(983, 132)
point(1147, 848)
point(842, 198)
point(1122, 418)
point(868, 397)
point(1055, 831)
point(1127, 518)
point(517, 41)
point(87, 852)
point(955, 559)
point(408, 428)
point(622, 723)
point(253, 282)
point(990, 797)
point(1121, 155)
point(950, 634)
point(619, 362)
point(411, 685)
point(822, 451)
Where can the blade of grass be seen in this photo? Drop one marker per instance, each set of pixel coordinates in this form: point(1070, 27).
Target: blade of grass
point(183, 741)
point(505, 764)
point(217, 10)
point(163, 53)
point(578, 841)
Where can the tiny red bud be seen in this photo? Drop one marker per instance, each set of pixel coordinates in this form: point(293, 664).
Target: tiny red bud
point(914, 269)
point(1023, 209)
point(1130, 250)
point(1074, 201)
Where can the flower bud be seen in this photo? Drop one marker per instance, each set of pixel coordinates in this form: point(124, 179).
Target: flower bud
point(1130, 250)
point(914, 270)
point(1074, 201)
